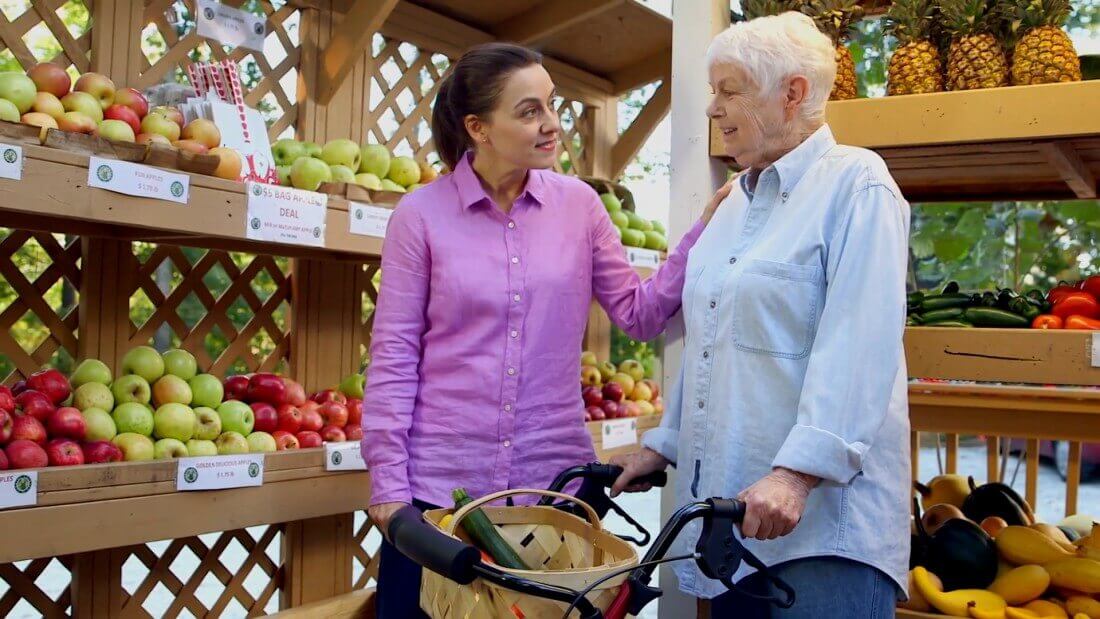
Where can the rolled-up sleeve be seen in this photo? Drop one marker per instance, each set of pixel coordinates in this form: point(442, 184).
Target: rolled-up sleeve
point(856, 353)
point(665, 438)
point(393, 376)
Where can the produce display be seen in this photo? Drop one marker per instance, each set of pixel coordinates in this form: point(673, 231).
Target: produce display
point(978, 551)
point(306, 165)
point(1066, 306)
point(611, 392)
point(632, 229)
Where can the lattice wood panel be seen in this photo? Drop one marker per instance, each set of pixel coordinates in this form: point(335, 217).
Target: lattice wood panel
point(33, 31)
point(36, 588)
point(170, 42)
point(367, 289)
point(576, 133)
point(365, 552)
point(230, 309)
point(404, 83)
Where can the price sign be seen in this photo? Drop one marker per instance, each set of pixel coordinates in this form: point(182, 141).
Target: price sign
point(645, 258)
point(368, 220)
point(286, 215)
point(18, 489)
point(220, 472)
point(11, 161)
point(620, 433)
point(344, 456)
point(134, 179)
point(1096, 350)
point(230, 26)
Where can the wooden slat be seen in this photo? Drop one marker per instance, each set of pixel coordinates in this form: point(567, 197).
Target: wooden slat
point(1074, 172)
point(992, 458)
point(914, 455)
point(1032, 472)
point(358, 603)
point(346, 46)
point(549, 18)
point(952, 461)
point(1073, 477)
point(656, 67)
point(632, 140)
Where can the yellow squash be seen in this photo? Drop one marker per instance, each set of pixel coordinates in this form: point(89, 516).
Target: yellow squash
point(1078, 574)
point(1025, 546)
point(1046, 608)
point(1021, 585)
point(956, 603)
point(1082, 605)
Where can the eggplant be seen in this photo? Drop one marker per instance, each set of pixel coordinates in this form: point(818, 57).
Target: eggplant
point(996, 499)
point(960, 553)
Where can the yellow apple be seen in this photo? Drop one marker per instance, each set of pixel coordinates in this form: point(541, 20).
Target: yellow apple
point(47, 103)
point(160, 124)
point(229, 163)
point(204, 132)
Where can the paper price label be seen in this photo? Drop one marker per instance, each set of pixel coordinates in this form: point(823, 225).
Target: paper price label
point(134, 179)
point(285, 215)
point(344, 456)
point(11, 161)
point(18, 489)
point(367, 220)
point(1096, 350)
point(220, 472)
point(230, 26)
point(646, 258)
point(620, 433)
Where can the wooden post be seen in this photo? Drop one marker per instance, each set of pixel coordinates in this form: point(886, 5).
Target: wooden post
point(116, 32)
point(317, 559)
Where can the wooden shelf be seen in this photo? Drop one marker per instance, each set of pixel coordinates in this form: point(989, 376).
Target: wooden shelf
point(1018, 143)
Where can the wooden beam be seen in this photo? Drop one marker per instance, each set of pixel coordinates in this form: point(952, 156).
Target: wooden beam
point(348, 42)
point(632, 140)
point(658, 66)
point(1067, 162)
point(549, 18)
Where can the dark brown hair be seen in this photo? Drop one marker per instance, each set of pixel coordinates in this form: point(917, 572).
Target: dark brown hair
point(473, 87)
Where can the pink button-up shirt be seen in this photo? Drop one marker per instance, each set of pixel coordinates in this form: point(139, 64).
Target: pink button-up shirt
point(475, 353)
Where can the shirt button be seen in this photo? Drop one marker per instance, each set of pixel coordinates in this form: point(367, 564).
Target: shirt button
point(507, 408)
point(511, 371)
point(702, 404)
point(512, 225)
point(507, 443)
point(785, 195)
point(713, 304)
point(516, 298)
point(515, 333)
point(515, 260)
point(706, 354)
point(733, 259)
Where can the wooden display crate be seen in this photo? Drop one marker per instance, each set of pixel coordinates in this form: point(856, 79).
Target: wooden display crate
point(597, 428)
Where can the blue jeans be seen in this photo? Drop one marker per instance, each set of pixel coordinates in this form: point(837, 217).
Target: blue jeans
point(824, 587)
point(398, 594)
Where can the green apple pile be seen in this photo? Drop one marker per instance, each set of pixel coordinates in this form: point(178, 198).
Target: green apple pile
point(611, 392)
point(305, 165)
point(634, 231)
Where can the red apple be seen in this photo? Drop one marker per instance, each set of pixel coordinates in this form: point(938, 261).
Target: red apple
point(312, 421)
point(75, 122)
point(354, 433)
point(613, 392)
point(653, 387)
point(6, 423)
point(64, 452)
point(310, 405)
point(133, 99)
point(35, 404)
point(290, 418)
point(99, 86)
point(333, 434)
point(3, 460)
point(68, 423)
point(329, 395)
point(153, 139)
point(308, 438)
point(595, 413)
point(236, 388)
point(629, 409)
point(51, 78)
point(125, 114)
point(52, 383)
point(285, 440)
point(267, 420)
point(295, 393)
point(27, 428)
point(592, 396)
point(19, 387)
point(266, 388)
point(355, 411)
point(191, 146)
point(7, 400)
point(23, 454)
point(97, 452)
point(611, 409)
point(334, 414)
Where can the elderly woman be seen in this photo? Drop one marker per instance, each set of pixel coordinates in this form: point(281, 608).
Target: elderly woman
point(792, 393)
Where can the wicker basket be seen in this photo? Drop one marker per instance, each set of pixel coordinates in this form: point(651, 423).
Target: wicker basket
point(569, 552)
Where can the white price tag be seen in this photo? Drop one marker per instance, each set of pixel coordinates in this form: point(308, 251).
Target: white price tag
point(286, 215)
point(369, 220)
point(18, 489)
point(220, 472)
point(230, 26)
point(138, 180)
point(11, 161)
point(646, 258)
point(344, 456)
point(620, 432)
point(1096, 350)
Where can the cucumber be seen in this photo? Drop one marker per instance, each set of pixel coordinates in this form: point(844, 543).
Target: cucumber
point(951, 287)
point(951, 313)
point(992, 317)
point(485, 534)
point(1025, 307)
point(944, 301)
point(962, 324)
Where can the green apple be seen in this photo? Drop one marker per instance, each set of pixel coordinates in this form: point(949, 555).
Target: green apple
point(286, 151)
point(180, 363)
point(414, 187)
point(168, 449)
point(143, 361)
point(607, 371)
point(611, 202)
point(308, 173)
point(260, 442)
point(9, 112)
point(589, 358)
point(200, 447)
point(655, 240)
point(375, 160)
point(117, 130)
point(135, 447)
point(368, 180)
point(620, 219)
point(343, 152)
point(342, 174)
point(231, 443)
point(206, 390)
point(171, 390)
point(98, 425)
point(133, 418)
point(208, 424)
point(313, 149)
point(93, 395)
point(388, 185)
point(84, 103)
point(633, 369)
point(633, 238)
point(284, 174)
point(352, 386)
point(20, 90)
point(236, 417)
point(658, 226)
point(90, 371)
point(131, 388)
point(404, 171)
point(174, 421)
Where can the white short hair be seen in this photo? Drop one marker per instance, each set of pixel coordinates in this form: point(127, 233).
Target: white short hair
point(774, 48)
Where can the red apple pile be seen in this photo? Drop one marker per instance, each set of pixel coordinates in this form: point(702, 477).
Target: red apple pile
point(280, 407)
point(611, 392)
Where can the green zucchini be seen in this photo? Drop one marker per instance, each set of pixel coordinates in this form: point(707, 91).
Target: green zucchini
point(993, 317)
point(951, 288)
point(989, 299)
point(1024, 307)
point(485, 535)
point(944, 301)
point(962, 324)
point(951, 313)
point(914, 298)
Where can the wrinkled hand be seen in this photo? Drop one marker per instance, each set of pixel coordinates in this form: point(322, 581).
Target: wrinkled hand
point(381, 514)
point(716, 200)
point(635, 465)
point(774, 505)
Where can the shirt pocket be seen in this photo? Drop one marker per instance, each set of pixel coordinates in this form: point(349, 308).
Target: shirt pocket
point(775, 308)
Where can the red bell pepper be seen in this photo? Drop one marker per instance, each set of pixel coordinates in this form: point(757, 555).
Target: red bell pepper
point(1091, 285)
point(1076, 304)
point(1082, 323)
point(1046, 321)
point(1056, 293)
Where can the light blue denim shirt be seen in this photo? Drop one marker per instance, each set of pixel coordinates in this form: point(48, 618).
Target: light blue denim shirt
point(794, 305)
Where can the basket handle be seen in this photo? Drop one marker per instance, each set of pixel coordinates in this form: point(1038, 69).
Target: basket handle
point(593, 519)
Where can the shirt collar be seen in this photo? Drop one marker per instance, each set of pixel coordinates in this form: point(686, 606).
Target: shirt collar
point(470, 191)
point(792, 166)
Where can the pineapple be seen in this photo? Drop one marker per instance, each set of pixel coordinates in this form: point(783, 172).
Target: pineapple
point(835, 19)
point(761, 8)
point(976, 58)
point(1044, 52)
point(916, 66)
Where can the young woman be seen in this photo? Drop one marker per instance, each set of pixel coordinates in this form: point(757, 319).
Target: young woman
point(488, 274)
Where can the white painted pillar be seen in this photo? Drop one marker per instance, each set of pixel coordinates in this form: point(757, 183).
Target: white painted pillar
point(694, 179)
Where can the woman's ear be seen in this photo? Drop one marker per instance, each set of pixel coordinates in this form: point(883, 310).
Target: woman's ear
point(798, 88)
point(475, 128)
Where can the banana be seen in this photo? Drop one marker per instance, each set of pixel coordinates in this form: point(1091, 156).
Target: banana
point(1026, 546)
point(1078, 574)
point(1046, 608)
point(1021, 585)
point(960, 603)
point(1082, 605)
